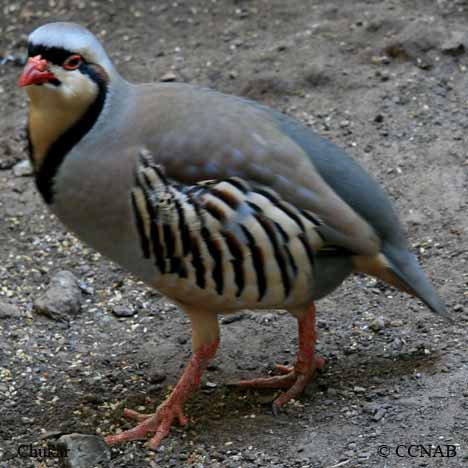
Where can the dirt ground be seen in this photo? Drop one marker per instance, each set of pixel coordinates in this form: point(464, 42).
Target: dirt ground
point(388, 81)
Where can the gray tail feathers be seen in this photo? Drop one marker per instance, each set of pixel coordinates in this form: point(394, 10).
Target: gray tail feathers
point(406, 268)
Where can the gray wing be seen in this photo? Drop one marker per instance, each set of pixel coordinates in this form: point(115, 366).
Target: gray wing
point(198, 134)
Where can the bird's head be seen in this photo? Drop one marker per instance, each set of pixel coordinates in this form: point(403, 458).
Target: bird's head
point(68, 78)
point(66, 64)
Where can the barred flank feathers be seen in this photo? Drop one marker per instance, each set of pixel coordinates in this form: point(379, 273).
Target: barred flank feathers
point(206, 233)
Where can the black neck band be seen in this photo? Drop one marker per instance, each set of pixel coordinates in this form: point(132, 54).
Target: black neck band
point(58, 150)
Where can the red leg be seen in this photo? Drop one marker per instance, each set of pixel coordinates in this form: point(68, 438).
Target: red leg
point(160, 422)
point(295, 378)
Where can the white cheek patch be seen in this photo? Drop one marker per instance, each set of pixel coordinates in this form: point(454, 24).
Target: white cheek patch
point(74, 85)
point(54, 109)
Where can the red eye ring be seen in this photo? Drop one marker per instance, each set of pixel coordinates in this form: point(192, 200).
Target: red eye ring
point(73, 62)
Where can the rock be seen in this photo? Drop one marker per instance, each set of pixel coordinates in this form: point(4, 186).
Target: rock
point(123, 311)
point(455, 44)
point(23, 169)
point(62, 300)
point(8, 310)
point(169, 76)
point(156, 377)
point(83, 451)
point(456, 308)
point(181, 340)
point(379, 414)
point(377, 324)
point(234, 318)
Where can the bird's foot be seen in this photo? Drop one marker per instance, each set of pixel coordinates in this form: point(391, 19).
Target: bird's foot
point(294, 379)
point(158, 423)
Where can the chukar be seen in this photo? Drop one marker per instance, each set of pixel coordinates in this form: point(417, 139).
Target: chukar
point(216, 201)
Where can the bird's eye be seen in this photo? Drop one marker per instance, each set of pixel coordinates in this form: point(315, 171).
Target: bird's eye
point(73, 62)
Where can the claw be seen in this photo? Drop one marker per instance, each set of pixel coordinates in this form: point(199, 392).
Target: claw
point(160, 422)
point(294, 379)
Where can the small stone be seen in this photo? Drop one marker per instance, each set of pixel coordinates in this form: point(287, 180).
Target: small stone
point(93, 398)
point(157, 377)
point(169, 76)
point(380, 60)
point(232, 75)
point(83, 451)
point(8, 310)
point(458, 308)
point(379, 414)
point(123, 311)
point(359, 389)
point(234, 318)
point(181, 340)
point(62, 300)
point(456, 44)
point(370, 408)
point(377, 324)
point(383, 75)
point(23, 169)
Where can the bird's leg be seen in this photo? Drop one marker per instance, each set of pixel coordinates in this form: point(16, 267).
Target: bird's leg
point(294, 378)
point(205, 341)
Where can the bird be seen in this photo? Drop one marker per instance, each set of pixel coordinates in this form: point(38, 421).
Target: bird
point(218, 202)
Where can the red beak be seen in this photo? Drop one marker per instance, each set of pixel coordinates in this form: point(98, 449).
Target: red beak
point(35, 72)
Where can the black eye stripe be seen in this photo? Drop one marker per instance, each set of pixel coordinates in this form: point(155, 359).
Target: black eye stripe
point(55, 55)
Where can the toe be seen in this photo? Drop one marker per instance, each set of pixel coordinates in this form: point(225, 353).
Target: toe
point(135, 415)
point(296, 389)
point(161, 433)
point(279, 381)
point(138, 432)
point(284, 369)
point(183, 421)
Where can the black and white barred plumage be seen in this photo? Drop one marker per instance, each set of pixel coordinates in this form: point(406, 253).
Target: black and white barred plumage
point(224, 241)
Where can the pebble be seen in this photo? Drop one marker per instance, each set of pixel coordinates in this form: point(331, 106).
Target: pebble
point(23, 169)
point(8, 310)
point(123, 311)
point(62, 300)
point(458, 308)
point(84, 451)
point(169, 76)
point(181, 340)
point(234, 318)
point(455, 44)
point(156, 377)
point(380, 60)
point(377, 324)
point(379, 414)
